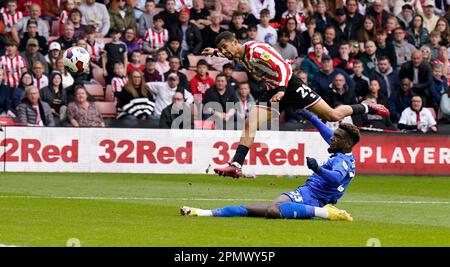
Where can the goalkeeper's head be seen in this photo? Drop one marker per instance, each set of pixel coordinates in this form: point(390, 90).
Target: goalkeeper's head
point(344, 138)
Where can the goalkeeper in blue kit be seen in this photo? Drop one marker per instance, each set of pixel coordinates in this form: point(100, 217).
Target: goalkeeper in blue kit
point(314, 199)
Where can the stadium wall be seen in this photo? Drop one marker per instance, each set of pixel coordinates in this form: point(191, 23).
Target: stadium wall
point(192, 151)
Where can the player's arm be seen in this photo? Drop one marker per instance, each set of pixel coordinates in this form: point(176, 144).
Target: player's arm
point(209, 51)
point(335, 175)
point(324, 131)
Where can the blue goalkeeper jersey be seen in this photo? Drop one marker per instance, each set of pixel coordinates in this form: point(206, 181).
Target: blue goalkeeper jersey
point(329, 188)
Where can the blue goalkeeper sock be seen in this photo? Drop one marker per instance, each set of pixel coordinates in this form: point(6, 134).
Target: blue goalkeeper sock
point(291, 210)
point(230, 211)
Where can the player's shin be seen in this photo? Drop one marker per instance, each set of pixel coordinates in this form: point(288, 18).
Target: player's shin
point(291, 210)
point(230, 211)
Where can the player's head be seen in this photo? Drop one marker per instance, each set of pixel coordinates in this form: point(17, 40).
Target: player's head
point(228, 44)
point(344, 138)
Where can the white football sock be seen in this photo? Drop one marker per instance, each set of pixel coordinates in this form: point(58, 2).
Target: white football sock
point(321, 212)
point(204, 213)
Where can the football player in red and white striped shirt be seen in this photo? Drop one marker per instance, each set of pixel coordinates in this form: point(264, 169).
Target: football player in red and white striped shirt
point(264, 63)
point(11, 15)
point(156, 37)
point(13, 64)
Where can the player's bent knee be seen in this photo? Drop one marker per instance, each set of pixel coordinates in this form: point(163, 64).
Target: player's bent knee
point(273, 212)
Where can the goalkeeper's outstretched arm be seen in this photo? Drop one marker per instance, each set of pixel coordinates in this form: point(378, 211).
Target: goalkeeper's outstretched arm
point(325, 132)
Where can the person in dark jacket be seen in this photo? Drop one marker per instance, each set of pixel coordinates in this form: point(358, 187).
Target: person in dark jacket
point(19, 93)
point(438, 87)
point(401, 99)
point(376, 97)
point(324, 78)
point(55, 96)
point(386, 76)
point(419, 72)
point(170, 116)
point(32, 32)
point(34, 112)
point(5, 95)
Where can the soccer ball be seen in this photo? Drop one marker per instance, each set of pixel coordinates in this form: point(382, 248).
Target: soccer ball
point(76, 60)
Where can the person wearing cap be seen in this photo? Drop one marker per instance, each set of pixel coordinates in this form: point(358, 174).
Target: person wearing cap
point(121, 15)
point(429, 17)
point(53, 54)
point(342, 28)
point(190, 35)
point(32, 32)
point(32, 54)
point(405, 16)
point(414, 5)
point(164, 91)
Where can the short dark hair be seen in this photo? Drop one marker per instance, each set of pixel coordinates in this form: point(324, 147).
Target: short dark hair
point(384, 58)
point(226, 35)
point(237, 13)
point(157, 17)
point(174, 38)
point(352, 132)
point(32, 21)
point(89, 29)
point(228, 66)
point(221, 75)
point(264, 11)
point(283, 33)
point(243, 83)
point(75, 10)
point(202, 62)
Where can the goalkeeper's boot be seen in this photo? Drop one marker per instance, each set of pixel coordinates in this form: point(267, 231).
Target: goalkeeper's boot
point(378, 109)
point(337, 214)
point(188, 211)
point(233, 170)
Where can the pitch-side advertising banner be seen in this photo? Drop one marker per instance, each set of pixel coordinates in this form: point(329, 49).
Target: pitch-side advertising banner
point(192, 151)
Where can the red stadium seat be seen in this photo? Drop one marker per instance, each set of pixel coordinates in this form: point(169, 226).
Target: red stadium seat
point(193, 59)
point(98, 76)
point(189, 74)
point(107, 109)
point(109, 93)
point(96, 90)
point(213, 74)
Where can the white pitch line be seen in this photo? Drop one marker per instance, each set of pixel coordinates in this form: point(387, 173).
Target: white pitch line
point(214, 199)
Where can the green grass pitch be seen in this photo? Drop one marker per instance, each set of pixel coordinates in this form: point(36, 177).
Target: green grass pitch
point(41, 209)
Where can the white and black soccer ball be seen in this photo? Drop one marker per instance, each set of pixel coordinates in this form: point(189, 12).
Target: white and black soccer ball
point(76, 60)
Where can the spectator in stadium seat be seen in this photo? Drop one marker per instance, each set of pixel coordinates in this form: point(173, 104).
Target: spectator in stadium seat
point(5, 97)
point(287, 51)
point(163, 92)
point(433, 44)
point(376, 97)
point(330, 41)
point(429, 17)
point(354, 19)
point(201, 81)
point(40, 79)
point(342, 29)
point(56, 97)
point(75, 17)
point(417, 118)
point(189, 34)
point(445, 105)
point(210, 32)
point(369, 57)
point(368, 31)
point(174, 111)
point(313, 62)
point(169, 14)
point(135, 62)
point(387, 77)
point(403, 49)
point(21, 26)
point(227, 70)
point(249, 18)
point(146, 20)
point(426, 53)
point(150, 72)
point(135, 101)
point(33, 111)
point(417, 33)
point(53, 54)
point(252, 32)
point(419, 72)
point(361, 81)
point(13, 64)
point(175, 66)
point(385, 48)
point(238, 27)
point(226, 8)
point(443, 58)
point(245, 101)
point(377, 12)
point(31, 32)
point(162, 65)
point(257, 87)
point(68, 39)
point(95, 47)
point(265, 32)
point(443, 28)
point(438, 87)
point(401, 99)
point(344, 61)
point(121, 16)
point(182, 4)
point(120, 78)
point(216, 99)
point(256, 6)
point(324, 78)
point(131, 40)
point(199, 14)
point(18, 93)
point(405, 16)
point(301, 41)
point(174, 50)
point(321, 16)
point(32, 55)
point(11, 16)
point(97, 15)
point(115, 51)
point(292, 11)
point(82, 112)
point(64, 14)
point(157, 36)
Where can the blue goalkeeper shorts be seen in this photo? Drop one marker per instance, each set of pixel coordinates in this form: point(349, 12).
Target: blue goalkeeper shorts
point(303, 195)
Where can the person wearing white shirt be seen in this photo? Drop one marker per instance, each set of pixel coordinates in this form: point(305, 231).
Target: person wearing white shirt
point(257, 5)
point(417, 118)
point(429, 18)
point(265, 32)
point(164, 91)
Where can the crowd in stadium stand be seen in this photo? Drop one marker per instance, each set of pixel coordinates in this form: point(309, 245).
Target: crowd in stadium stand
point(146, 61)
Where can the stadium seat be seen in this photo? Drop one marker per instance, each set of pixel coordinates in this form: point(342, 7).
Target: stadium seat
point(107, 109)
point(98, 76)
point(55, 28)
point(193, 59)
point(109, 93)
point(189, 74)
point(240, 76)
point(96, 90)
point(213, 74)
point(204, 124)
point(144, 58)
point(433, 112)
